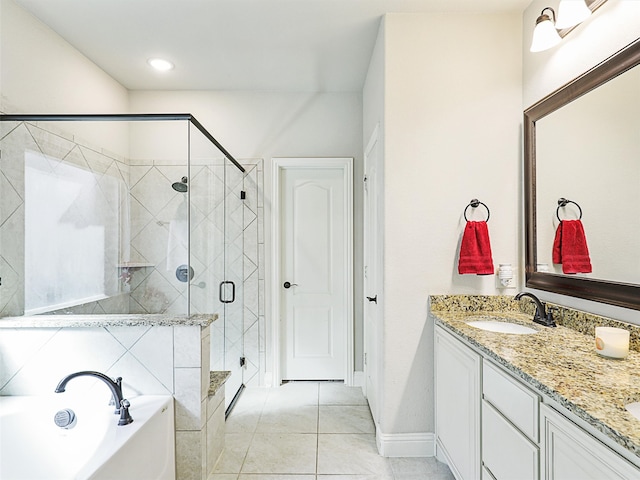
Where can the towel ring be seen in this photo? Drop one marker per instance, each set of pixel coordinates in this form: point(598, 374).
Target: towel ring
point(562, 202)
point(475, 203)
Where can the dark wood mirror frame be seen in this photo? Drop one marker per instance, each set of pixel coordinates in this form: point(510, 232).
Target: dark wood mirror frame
point(620, 294)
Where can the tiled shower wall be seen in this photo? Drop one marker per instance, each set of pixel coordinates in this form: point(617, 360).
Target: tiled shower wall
point(156, 209)
point(53, 147)
point(152, 220)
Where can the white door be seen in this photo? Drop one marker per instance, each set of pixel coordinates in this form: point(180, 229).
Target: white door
point(315, 265)
point(372, 274)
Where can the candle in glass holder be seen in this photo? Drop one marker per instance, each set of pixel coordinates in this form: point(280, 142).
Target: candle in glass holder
point(612, 342)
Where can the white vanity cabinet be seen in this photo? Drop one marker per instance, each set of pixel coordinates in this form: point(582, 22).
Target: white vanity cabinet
point(572, 454)
point(457, 372)
point(492, 426)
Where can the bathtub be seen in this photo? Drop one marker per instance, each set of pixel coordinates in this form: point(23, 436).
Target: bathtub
point(32, 447)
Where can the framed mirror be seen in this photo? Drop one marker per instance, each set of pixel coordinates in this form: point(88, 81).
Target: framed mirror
point(582, 143)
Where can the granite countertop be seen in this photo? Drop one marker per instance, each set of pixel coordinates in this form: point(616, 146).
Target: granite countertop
point(124, 320)
point(216, 380)
point(562, 364)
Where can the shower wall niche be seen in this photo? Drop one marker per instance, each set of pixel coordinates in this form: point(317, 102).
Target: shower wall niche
point(95, 226)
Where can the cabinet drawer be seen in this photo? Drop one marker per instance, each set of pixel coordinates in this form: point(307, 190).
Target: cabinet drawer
point(515, 401)
point(506, 452)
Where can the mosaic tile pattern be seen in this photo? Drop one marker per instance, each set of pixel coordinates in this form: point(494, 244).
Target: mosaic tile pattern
point(560, 362)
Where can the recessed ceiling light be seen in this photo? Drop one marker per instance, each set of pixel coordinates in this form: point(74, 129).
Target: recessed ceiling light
point(160, 64)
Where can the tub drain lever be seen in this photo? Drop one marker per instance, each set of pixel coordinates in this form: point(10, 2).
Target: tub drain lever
point(65, 418)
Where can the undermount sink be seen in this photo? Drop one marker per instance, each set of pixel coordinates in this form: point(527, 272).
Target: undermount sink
point(634, 409)
point(501, 327)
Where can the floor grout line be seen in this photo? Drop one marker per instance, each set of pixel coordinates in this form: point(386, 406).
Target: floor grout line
point(287, 405)
point(318, 433)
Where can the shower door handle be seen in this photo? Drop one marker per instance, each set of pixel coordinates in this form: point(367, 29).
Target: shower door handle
point(233, 291)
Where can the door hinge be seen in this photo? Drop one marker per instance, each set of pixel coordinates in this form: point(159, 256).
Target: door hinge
point(243, 361)
point(365, 359)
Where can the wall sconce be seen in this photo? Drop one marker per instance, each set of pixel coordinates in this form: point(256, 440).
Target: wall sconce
point(549, 30)
point(545, 34)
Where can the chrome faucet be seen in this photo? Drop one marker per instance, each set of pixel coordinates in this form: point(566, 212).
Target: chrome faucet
point(122, 404)
point(542, 315)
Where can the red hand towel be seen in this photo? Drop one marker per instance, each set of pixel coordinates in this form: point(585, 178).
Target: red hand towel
point(475, 250)
point(557, 248)
point(570, 247)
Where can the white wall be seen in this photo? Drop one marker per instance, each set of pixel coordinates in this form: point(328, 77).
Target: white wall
point(612, 27)
point(452, 130)
point(42, 73)
point(267, 125)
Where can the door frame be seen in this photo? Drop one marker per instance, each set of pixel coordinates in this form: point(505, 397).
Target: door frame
point(278, 165)
point(379, 288)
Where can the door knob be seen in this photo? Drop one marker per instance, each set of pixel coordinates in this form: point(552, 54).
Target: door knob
point(289, 285)
point(373, 299)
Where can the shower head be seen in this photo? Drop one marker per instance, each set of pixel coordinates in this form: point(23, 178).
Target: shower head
point(181, 186)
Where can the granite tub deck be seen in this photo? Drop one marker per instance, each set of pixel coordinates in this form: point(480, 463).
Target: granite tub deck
point(217, 379)
point(108, 320)
point(559, 362)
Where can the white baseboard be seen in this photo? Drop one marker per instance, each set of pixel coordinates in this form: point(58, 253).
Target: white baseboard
point(406, 444)
point(358, 379)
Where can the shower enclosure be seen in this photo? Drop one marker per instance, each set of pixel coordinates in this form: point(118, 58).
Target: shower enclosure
point(124, 214)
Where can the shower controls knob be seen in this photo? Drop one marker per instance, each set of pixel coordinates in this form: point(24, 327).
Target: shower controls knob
point(184, 273)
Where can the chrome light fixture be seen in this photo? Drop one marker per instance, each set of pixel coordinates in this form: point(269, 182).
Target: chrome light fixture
point(545, 34)
point(571, 13)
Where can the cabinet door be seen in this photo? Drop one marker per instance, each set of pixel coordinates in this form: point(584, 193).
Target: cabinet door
point(572, 454)
point(457, 372)
point(506, 452)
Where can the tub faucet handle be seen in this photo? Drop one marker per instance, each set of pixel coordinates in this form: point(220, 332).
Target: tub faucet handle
point(125, 417)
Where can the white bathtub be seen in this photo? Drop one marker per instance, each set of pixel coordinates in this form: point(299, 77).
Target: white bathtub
point(32, 447)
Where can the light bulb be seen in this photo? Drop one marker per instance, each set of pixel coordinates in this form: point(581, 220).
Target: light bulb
point(545, 34)
point(160, 64)
point(571, 13)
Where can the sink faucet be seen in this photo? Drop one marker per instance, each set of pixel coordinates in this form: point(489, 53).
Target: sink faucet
point(542, 316)
point(122, 404)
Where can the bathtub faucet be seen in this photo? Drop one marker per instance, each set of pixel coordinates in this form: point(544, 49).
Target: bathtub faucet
point(122, 404)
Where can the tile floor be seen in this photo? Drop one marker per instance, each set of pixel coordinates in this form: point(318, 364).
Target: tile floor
point(311, 431)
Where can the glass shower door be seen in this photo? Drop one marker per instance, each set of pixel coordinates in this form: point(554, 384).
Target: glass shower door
point(217, 226)
point(232, 288)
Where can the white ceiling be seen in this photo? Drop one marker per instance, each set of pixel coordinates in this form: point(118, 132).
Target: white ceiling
point(263, 45)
